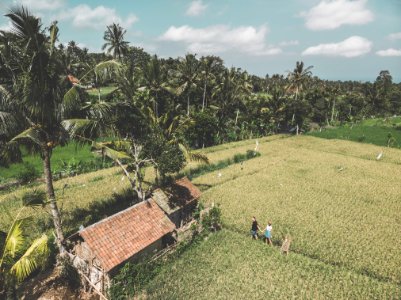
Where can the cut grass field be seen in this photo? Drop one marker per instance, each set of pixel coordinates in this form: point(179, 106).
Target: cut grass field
point(371, 131)
point(339, 204)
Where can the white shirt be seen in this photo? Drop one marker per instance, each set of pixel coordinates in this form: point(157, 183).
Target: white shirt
point(269, 228)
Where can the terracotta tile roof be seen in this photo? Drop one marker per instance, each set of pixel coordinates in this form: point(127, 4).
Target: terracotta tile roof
point(120, 236)
point(180, 193)
point(186, 189)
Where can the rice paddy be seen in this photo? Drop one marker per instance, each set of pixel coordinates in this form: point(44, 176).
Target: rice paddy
point(340, 205)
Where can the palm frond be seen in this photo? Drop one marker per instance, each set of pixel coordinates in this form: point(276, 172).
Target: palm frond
point(107, 66)
point(32, 134)
point(80, 128)
point(71, 100)
point(14, 240)
point(110, 152)
point(193, 156)
point(31, 258)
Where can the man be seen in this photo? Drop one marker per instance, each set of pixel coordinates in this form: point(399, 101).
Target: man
point(254, 228)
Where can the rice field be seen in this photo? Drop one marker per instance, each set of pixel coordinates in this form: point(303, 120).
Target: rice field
point(229, 266)
point(341, 206)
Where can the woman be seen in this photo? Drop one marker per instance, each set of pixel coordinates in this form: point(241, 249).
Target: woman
point(268, 233)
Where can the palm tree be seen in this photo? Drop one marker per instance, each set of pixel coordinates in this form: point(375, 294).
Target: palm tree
point(187, 74)
point(154, 80)
point(34, 100)
point(115, 43)
point(298, 80)
point(209, 66)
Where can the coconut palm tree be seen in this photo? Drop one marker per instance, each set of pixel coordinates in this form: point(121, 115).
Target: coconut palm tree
point(209, 66)
point(298, 80)
point(115, 43)
point(35, 103)
point(187, 73)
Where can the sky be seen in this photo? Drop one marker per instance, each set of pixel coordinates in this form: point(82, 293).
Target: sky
point(341, 39)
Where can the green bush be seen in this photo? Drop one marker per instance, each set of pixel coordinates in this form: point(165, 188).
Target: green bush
point(34, 197)
point(212, 219)
point(27, 174)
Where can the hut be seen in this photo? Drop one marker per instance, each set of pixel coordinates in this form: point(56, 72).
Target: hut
point(178, 200)
point(100, 249)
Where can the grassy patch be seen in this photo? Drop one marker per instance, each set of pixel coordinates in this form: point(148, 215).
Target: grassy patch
point(60, 155)
point(381, 132)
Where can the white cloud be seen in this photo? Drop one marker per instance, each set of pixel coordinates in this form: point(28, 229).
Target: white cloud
point(42, 4)
point(351, 47)
point(331, 14)
point(222, 38)
point(389, 52)
point(394, 36)
point(289, 43)
point(83, 16)
point(196, 8)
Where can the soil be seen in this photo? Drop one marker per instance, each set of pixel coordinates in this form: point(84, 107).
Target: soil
point(48, 285)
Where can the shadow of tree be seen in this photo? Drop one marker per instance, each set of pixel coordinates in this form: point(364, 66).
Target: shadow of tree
point(97, 211)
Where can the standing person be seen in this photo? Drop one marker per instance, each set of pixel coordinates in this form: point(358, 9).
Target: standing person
point(268, 233)
point(255, 228)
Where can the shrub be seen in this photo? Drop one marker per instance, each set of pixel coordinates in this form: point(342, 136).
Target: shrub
point(212, 219)
point(27, 174)
point(34, 197)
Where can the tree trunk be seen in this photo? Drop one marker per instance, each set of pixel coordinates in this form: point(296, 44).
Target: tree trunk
point(55, 212)
point(188, 105)
point(236, 118)
point(204, 96)
point(332, 111)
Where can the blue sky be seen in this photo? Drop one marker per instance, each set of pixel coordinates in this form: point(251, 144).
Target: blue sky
point(342, 39)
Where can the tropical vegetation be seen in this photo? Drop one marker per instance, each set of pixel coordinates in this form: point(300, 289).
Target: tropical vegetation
point(158, 111)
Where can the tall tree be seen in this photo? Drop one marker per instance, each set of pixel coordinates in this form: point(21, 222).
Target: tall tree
point(298, 80)
point(209, 66)
point(34, 99)
point(187, 74)
point(114, 41)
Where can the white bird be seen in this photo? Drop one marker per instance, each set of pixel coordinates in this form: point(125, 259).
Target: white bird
point(257, 145)
point(219, 175)
point(122, 178)
point(379, 156)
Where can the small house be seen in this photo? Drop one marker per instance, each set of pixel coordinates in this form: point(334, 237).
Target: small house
point(178, 200)
point(100, 249)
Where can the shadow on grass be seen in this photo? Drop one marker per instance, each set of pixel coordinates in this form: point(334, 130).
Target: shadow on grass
point(97, 211)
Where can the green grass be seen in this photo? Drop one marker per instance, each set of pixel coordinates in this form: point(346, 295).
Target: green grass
point(371, 131)
point(60, 154)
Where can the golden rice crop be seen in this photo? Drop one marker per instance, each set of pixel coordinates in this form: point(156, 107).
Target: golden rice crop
point(229, 266)
point(340, 209)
